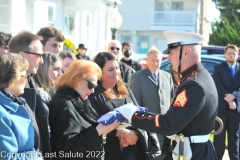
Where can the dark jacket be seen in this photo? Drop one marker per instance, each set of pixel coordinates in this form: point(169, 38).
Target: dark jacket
point(38, 112)
point(225, 83)
point(192, 113)
point(126, 72)
point(73, 127)
point(134, 64)
point(78, 56)
point(103, 105)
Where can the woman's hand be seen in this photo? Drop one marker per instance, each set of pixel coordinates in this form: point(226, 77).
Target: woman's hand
point(123, 142)
point(105, 129)
point(130, 136)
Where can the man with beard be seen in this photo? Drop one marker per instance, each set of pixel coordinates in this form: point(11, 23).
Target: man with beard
point(227, 79)
point(127, 51)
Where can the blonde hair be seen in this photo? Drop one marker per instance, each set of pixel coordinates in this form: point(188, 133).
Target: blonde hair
point(77, 72)
point(153, 49)
point(232, 46)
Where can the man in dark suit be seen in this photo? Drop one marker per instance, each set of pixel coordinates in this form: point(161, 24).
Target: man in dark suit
point(127, 50)
point(153, 87)
point(115, 48)
point(29, 46)
point(227, 80)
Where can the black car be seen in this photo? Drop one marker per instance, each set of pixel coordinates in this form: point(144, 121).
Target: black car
point(208, 62)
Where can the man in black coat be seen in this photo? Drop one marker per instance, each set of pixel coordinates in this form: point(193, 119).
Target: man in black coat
point(82, 52)
point(227, 79)
point(193, 111)
point(115, 48)
point(29, 46)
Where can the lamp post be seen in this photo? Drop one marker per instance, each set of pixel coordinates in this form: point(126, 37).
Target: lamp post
point(114, 20)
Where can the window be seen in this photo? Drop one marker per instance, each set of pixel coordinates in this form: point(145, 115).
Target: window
point(50, 16)
point(126, 38)
point(177, 5)
point(158, 5)
point(86, 25)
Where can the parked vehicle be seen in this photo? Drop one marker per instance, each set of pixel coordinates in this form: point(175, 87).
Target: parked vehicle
point(208, 62)
point(212, 50)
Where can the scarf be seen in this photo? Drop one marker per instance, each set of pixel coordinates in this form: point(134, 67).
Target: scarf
point(82, 106)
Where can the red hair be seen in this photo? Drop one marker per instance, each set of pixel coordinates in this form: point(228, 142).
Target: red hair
point(76, 73)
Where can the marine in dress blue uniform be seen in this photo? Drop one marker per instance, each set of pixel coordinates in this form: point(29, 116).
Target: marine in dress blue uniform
point(194, 108)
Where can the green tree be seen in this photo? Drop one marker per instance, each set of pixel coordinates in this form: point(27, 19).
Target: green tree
point(228, 8)
point(225, 32)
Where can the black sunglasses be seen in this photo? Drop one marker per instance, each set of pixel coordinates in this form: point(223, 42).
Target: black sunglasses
point(38, 54)
point(90, 84)
point(112, 48)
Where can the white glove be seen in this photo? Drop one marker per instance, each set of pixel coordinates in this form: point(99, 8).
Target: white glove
point(127, 110)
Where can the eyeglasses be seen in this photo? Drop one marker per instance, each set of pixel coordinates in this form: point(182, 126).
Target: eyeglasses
point(38, 54)
point(112, 48)
point(90, 84)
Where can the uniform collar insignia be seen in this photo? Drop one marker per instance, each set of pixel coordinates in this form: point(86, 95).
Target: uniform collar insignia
point(190, 71)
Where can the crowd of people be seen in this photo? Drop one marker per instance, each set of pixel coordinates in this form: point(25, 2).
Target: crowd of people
point(51, 99)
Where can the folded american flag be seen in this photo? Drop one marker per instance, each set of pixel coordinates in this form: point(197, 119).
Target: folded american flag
point(111, 116)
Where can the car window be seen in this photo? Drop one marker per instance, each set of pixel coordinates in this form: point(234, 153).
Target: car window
point(204, 52)
point(166, 67)
point(209, 65)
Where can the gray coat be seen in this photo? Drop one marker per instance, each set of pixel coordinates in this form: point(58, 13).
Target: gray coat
point(156, 96)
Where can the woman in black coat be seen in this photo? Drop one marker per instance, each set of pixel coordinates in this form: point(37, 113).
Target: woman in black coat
point(123, 143)
point(74, 131)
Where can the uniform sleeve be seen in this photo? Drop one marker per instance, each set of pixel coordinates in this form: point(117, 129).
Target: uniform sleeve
point(187, 104)
point(136, 89)
point(218, 81)
point(66, 130)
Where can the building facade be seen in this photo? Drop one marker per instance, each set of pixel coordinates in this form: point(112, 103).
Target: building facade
point(82, 21)
point(145, 21)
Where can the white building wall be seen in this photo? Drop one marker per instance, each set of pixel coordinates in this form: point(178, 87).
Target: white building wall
point(18, 16)
point(136, 14)
point(137, 21)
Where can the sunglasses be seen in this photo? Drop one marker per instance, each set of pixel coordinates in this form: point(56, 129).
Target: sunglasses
point(112, 48)
point(37, 54)
point(90, 84)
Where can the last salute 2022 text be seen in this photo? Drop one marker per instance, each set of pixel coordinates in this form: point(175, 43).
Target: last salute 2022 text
point(87, 154)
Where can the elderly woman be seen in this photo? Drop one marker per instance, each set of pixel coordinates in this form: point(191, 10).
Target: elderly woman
point(47, 75)
point(74, 130)
point(16, 133)
point(111, 93)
